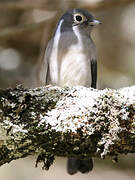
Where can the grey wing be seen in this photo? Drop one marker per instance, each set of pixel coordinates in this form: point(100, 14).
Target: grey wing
point(44, 67)
point(93, 73)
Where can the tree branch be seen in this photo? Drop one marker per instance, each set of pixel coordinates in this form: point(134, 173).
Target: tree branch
point(71, 121)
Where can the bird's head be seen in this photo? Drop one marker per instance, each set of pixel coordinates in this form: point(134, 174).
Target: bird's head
point(79, 18)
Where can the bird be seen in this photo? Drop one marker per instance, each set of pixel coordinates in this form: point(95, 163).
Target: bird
point(70, 60)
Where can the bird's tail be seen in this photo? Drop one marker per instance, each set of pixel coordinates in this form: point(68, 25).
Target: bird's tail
point(83, 165)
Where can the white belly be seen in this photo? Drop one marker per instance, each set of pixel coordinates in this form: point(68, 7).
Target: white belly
point(75, 70)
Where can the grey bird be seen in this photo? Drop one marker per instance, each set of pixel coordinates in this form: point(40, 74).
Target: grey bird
point(70, 59)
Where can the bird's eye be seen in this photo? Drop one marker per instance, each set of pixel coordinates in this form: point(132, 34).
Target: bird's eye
point(78, 18)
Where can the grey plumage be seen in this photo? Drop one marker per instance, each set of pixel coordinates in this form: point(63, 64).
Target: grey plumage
point(70, 59)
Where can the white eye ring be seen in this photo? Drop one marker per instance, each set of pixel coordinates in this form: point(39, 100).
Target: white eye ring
point(78, 18)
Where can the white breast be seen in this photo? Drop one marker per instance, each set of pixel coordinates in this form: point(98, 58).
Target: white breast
point(75, 67)
point(75, 70)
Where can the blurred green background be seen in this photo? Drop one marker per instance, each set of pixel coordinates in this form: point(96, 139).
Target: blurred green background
point(25, 28)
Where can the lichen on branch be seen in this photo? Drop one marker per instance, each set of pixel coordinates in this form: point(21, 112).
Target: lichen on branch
point(70, 121)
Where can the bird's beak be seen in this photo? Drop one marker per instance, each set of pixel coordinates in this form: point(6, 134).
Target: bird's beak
point(94, 22)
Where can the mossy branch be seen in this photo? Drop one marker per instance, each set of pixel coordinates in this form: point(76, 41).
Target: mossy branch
point(70, 121)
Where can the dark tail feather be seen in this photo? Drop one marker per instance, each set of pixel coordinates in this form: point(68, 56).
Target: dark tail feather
point(72, 165)
point(86, 165)
point(83, 165)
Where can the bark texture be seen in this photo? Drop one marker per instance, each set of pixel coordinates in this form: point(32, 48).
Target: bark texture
point(69, 121)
